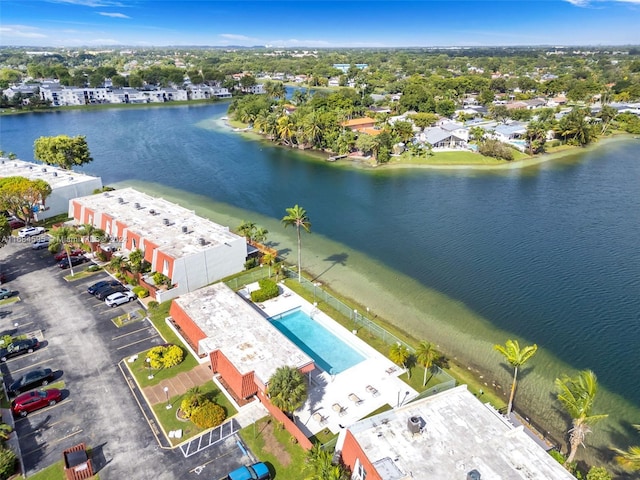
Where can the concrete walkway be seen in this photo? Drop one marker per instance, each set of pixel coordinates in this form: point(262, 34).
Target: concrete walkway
point(178, 384)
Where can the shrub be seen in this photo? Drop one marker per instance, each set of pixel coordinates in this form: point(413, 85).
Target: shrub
point(165, 356)
point(557, 456)
point(268, 289)
point(141, 292)
point(7, 462)
point(496, 149)
point(208, 415)
point(5, 340)
point(153, 305)
point(161, 279)
point(251, 263)
point(100, 255)
point(189, 405)
point(598, 473)
point(94, 268)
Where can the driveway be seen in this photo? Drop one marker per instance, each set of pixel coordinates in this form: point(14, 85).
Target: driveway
point(83, 346)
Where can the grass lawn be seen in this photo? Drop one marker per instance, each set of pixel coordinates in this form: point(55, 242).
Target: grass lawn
point(80, 275)
point(139, 367)
point(54, 472)
point(128, 318)
point(167, 417)
point(275, 447)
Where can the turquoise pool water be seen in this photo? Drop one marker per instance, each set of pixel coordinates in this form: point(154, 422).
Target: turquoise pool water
point(328, 352)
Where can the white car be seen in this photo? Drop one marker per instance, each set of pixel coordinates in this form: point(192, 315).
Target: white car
point(40, 243)
point(30, 231)
point(119, 298)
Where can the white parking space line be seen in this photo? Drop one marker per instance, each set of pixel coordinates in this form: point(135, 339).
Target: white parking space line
point(44, 410)
point(40, 430)
point(23, 324)
point(139, 341)
point(52, 442)
point(29, 367)
point(130, 333)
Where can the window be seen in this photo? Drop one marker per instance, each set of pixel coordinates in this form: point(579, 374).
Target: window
point(133, 244)
point(165, 267)
point(359, 473)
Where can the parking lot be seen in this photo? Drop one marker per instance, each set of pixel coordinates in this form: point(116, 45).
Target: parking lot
point(83, 346)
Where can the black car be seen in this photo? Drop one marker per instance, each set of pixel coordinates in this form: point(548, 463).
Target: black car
point(77, 260)
point(30, 380)
point(18, 347)
point(105, 292)
point(103, 284)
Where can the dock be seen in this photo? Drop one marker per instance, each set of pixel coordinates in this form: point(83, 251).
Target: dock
point(336, 157)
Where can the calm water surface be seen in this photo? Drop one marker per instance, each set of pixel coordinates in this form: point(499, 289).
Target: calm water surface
point(550, 254)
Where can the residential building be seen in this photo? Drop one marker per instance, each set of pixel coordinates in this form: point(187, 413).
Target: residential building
point(442, 139)
point(202, 92)
point(257, 89)
point(65, 184)
point(358, 124)
point(241, 344)
point(447, 435)
point(191, 250)
point(344, 67)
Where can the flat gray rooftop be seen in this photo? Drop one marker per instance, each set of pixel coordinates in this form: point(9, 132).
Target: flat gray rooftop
point(456, 434)
point(176, 230)
point(55, 177)
point(241, 333)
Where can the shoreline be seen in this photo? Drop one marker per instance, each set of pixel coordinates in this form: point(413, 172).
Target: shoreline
point(458, 332)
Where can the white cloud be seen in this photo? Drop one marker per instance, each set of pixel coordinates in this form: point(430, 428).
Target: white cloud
point(20, 31)
point(233, 36)
point(91, 3)
point(113, 15)
point(586, 3)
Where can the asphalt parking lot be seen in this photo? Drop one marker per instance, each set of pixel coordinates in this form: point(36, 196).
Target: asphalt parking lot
point(83, 346)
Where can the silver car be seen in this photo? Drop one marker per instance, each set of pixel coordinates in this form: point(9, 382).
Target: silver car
point(119, 298)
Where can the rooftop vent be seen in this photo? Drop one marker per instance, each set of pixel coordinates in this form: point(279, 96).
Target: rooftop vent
point(474, 475)
point(166, 221)
point(185, 229)
point(30, 168)
point(120, 200)
point(137, 205)
point(44, 169)
point(202, 241)
point(414, 424)
point(152, 211)
point(55, 174)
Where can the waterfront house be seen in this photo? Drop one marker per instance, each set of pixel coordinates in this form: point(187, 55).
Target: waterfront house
point(448, 435)
point(188, 249)
point(441, 139)
point(358, 124)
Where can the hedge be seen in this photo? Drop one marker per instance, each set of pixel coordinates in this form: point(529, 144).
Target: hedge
point(268, 289)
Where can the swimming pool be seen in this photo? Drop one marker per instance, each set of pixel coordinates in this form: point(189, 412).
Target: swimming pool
point(328, 351)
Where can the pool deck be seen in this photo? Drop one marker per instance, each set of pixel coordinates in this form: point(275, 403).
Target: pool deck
point(348, 389)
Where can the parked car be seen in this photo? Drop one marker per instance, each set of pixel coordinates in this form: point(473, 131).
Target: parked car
point(5, 293)
point(18, 347)
point(30, 231)
point(105, 292)
point(30, 380)
point(77, 260)
point(15, 223)
point(103, 284)
point(257, 471)
point(42, 242)
point(119, 298)
point(35, 400)
point(63, 254)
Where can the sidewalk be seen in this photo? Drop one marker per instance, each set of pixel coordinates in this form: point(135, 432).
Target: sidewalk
point(178, 384)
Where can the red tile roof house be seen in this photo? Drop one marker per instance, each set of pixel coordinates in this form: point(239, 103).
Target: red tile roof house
point(191, 250)
point(358, 124)
point(244, 348)
point(444, 436)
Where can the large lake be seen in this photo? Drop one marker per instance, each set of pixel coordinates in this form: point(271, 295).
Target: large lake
point(548, 254)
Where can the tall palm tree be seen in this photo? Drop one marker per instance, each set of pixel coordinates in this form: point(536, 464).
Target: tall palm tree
point(246, 229)
point(577, 396)
point(62, 238)
point(260, 234)
point(287, 389)
point(286, 129)
point(319, 465)
point(629, 459)
point(90, 233)
point(516, 357)
point(426, 356)
point(399, 354)
point(297, 216)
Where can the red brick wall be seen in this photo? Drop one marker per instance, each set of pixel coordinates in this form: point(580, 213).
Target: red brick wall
point(130, 237)
point(291, 427)
point(86, 214)
point(106, 218)
point(160, 258)
point(119, 232)
point(243, 386)
point(77, 211)
point(351, 451)
point(185, 323)
point(149, 247)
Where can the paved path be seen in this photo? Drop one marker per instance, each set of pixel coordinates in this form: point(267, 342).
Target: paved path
point(178, 384)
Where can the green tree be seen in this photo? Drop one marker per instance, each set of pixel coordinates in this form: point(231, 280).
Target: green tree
point(577, 396)
point(63, 238)
point(5, 230)
point(260, 234)
point(21, 196)
point(90, 233)
point(136, 261)
point(297, 217)
point(536, 136)
point(62, 151)
point(319, 466)
point(287, 389)
point(629, 459)
point(403, 130)
point(399, 354)
point(516, 357)
point(427, 356)
point(7, 462)
point(246, 229)
point(598, 473)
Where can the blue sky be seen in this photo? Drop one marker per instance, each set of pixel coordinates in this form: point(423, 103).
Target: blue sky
point(318, 24)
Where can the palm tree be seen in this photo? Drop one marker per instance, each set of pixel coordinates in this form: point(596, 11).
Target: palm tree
point(246, 229)
point(297, 217)
point(286, 129)
point(319, 465)
point(260, 234)
point(399, 354)
point(577, 396)
point(287, 389)
point(629, 459)
point(90, 233)
point(62, 237)
point(536, 136)
point(516, 358)
point(426, 356)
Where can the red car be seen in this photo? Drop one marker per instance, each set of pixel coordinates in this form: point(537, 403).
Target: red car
point(15, 223)
point(35, 400)
point(73, 253)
